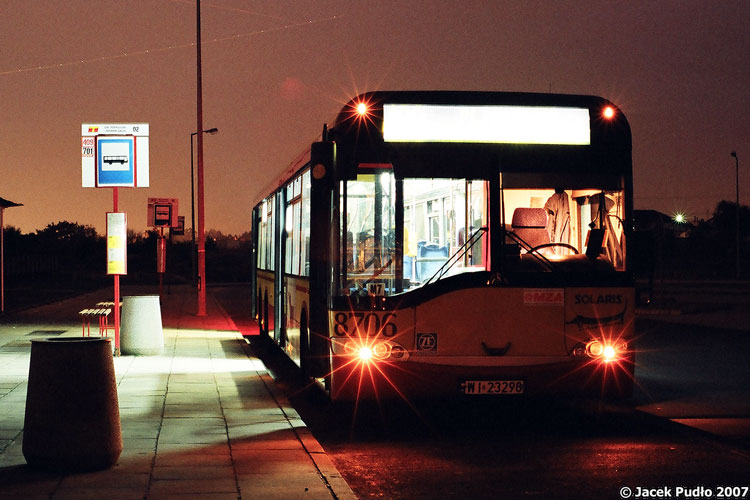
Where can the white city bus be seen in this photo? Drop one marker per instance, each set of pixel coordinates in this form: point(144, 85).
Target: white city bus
point(454, 243)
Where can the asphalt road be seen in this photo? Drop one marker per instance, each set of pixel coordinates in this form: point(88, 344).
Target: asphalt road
point(514, 449)
point(688, 371)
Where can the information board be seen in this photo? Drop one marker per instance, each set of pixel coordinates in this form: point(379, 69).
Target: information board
point(117, 238)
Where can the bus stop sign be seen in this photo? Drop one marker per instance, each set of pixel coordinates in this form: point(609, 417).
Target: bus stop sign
point(114, 155)
point(162, 212)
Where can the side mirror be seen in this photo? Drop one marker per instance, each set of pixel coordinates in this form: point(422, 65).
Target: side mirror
point(594, 243)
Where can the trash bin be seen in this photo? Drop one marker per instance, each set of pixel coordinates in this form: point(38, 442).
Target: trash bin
point(72, 420)
point(141, 331)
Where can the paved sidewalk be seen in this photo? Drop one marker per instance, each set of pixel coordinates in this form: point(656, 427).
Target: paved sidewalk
point(203, 420)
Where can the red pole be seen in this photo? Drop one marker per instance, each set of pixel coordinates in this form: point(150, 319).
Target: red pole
point(117, 286)
point(201, 217)
point(161, 260)
point(2, 261)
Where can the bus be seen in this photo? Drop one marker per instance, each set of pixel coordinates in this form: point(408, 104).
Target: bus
point(452, 243)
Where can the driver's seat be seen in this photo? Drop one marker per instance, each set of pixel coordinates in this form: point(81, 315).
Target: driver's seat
point(530, 224)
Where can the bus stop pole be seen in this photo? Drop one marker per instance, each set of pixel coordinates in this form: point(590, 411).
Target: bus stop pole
point(116, 305)
point(2, 261)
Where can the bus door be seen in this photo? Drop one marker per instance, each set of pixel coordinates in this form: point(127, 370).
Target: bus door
point(369, 265)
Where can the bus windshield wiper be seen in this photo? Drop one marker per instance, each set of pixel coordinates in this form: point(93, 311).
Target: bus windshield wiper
point(544, 261)
point(457, 255)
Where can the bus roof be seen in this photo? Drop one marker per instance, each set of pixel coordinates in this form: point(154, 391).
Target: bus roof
point(487, 131)
point(358, 133)
point(376, 100)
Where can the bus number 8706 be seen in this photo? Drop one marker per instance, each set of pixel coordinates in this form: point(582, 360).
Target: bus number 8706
point(364, 323)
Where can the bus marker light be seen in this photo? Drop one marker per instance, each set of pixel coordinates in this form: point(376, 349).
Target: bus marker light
point(605, 352)
point(318, 171)
point(361, 109)
point(608, 112)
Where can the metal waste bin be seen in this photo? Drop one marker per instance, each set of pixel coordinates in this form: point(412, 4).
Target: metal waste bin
point(141, 332)
point(72, 420)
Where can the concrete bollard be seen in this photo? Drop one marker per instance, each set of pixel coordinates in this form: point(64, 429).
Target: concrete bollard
point(141, 333)
point(72, 420)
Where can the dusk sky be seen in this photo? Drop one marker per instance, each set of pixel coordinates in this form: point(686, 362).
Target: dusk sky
point(274, 72)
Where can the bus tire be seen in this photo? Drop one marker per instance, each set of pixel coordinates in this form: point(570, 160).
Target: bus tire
point(266, 329)
point(304, 344)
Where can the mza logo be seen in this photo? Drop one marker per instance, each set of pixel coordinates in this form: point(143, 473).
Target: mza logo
point(427, 342)
point(543, 296)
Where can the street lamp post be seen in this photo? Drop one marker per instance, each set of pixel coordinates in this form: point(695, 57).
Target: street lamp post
point(733, 154)
point(3, 205)
point(211, 131)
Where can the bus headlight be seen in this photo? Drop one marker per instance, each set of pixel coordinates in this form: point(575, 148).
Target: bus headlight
point(606, 351)
point(381, 350)
point(609, 353)
point(375, 351)
point(579, 350)
point(594, 348)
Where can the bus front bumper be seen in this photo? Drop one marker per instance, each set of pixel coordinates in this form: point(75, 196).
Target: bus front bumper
point(354, 379)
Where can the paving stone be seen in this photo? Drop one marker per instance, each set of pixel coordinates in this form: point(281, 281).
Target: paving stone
point(202, 420)
point(160, 488)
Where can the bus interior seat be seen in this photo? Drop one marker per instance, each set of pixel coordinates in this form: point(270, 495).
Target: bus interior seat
point(430, 257)
point(530, 224)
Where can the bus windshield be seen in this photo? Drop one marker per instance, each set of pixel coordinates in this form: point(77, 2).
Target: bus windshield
point(553, 224)
point(445, 224)
point(443, 229)
point(442, 232)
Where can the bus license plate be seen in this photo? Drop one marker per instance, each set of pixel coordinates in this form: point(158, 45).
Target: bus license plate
point(492, 387)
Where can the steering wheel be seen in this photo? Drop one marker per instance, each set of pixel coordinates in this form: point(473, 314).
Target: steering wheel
point(549, 245)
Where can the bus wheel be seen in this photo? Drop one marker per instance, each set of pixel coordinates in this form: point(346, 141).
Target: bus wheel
point(304, 345)
point(266, 330)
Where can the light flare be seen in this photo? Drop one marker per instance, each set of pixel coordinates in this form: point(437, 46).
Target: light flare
point(365, 354)
point(612, 360)
point(362, 113)
point(609, 353)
